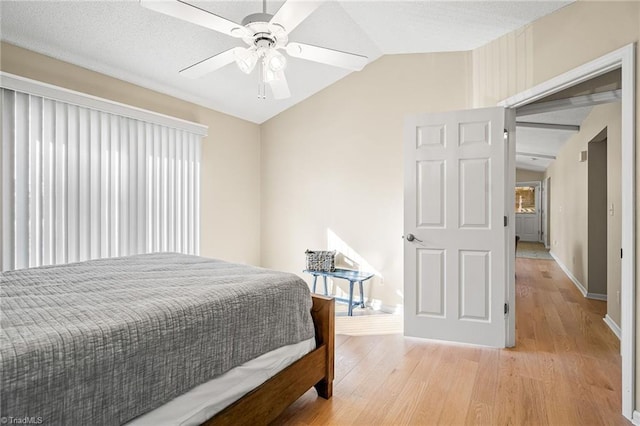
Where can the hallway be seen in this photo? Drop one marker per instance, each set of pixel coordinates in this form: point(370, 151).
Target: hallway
point(565, 369)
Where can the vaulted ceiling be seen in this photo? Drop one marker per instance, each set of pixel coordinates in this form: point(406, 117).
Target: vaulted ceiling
point(132, 43)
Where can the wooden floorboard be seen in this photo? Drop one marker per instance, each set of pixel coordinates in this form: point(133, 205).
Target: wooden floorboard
point(564, 370)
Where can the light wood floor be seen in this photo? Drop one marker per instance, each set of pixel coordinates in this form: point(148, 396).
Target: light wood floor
point(565, 369)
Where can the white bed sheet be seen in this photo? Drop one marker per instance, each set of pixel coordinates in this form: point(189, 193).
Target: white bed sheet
point(204, 401)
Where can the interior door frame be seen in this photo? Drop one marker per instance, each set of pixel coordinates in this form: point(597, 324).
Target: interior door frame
point(546, 220)
point(623, 58)
point(510, 214)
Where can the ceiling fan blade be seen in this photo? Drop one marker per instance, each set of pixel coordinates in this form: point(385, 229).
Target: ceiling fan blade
point(327, 56)
point(293, 12)
point(211, 64)
point(195, 15)
point(279, 86)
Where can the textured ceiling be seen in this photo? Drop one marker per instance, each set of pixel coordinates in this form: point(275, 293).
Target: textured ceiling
point(126, 41)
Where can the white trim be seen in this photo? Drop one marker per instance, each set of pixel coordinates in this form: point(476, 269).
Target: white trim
point(636, 418)
point(602, 65)
point(529, 183)
point(546, 220)
point(510, 234)
point(569, 275)
point(576, 282)
point(377, 305)
point(391, 309)
point(575, 102)
point(613, 326)
point(628, 290)
point(49, 91)
point(623, 58)
point(597, 296)
point(530, 168)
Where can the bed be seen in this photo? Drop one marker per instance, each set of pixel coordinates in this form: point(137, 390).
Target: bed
point(111, 341)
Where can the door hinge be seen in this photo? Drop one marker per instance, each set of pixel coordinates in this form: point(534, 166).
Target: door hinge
point(506, 221)
point(506, 309)
point(620, 253)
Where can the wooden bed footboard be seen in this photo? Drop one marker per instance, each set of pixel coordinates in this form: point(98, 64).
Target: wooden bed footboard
point(263, 404)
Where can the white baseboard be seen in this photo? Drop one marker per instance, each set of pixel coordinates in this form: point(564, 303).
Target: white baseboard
point(388, 309)
point(596, 296)
point(573, 279)
point(377, 305)
point(636, 418)
point(613, 326)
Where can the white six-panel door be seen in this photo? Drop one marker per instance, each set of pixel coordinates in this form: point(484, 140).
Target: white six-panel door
point(528, 226)
point(454, 226)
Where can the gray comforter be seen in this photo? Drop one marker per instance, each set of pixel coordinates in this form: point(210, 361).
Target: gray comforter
point(103, 341)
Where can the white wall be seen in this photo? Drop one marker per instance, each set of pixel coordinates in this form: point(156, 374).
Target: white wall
point(332, 170)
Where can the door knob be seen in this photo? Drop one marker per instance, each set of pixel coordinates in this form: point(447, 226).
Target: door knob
point(411, 237)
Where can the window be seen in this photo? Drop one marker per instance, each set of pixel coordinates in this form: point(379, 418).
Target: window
point(525, 199)
point(80, 182)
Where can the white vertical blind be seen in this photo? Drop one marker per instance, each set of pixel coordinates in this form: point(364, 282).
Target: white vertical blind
point(79, 183)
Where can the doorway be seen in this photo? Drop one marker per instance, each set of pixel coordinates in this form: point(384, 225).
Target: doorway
point(470, 213)
point(528, 211)
point(597, 246)
point(623, 59)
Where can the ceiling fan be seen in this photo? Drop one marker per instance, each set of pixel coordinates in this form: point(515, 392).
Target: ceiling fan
point(266, 35)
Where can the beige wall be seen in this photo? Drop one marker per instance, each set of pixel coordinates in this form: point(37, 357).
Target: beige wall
point(360, 118)
point(332, 168)
point(568, 212)
point(523, 175)
point(554, 44)
point(336, 159)
point(230, 186)
point(570, 226)
point(569, 202)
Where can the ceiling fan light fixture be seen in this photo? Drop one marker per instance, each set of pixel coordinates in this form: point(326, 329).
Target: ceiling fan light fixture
point(276, 61)
point(266, 35)
point(246, 60)
point(270, 76)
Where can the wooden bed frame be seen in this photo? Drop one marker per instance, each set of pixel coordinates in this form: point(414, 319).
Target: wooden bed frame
point(263, 404)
